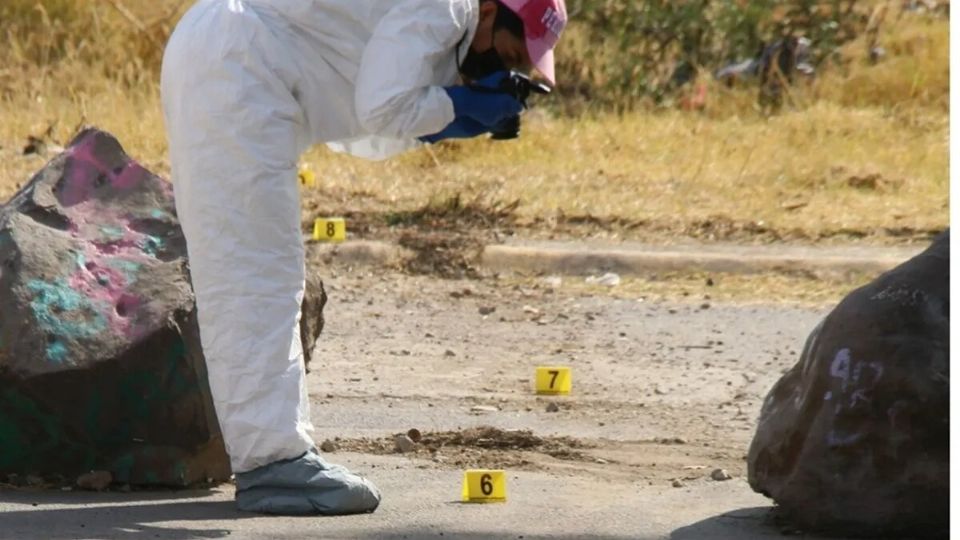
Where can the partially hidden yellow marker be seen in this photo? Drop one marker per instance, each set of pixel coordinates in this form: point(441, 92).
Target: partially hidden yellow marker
point(554, 380)
point(330, 229)
point(484, 486)
point(307, 178)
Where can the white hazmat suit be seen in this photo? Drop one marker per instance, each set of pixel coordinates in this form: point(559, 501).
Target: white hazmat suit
point(247, 86)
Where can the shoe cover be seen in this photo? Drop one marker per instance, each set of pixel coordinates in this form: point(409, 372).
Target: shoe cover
point(304, 486)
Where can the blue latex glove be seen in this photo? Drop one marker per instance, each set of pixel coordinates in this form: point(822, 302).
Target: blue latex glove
point(461, 128)
point(483, 101)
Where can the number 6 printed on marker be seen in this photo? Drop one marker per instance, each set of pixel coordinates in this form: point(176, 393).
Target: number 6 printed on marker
point(486, 486)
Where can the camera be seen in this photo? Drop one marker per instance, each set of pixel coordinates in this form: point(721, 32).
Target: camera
point(520, 87)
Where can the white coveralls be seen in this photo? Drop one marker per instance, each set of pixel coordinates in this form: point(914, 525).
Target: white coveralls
point(247, 86)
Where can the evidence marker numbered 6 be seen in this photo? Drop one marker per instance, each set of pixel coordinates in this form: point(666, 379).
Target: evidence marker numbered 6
point(484, 486)
point(330, 229)
point(554, 380)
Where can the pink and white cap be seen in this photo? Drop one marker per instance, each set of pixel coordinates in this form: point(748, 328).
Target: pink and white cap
point(543, 22)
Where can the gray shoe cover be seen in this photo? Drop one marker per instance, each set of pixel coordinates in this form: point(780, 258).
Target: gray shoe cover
point(304, 486)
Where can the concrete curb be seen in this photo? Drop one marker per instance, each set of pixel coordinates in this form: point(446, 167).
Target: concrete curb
point(563, 260)
point(579, 258)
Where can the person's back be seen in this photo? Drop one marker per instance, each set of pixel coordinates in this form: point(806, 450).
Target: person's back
point(361, 74)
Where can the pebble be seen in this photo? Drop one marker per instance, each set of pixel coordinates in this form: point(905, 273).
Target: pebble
point(677, 483)
point(531, 310)
point(404, 444)
point(552, 281)
point(414, 435)
point(553, 407)
point(609, 279)
point(95, 480)
point(448, 352)
point(328, 446)
point(720, 475)
point(483, 408)
point(486, 310)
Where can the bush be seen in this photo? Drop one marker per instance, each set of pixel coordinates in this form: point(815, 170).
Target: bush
point(618, 52)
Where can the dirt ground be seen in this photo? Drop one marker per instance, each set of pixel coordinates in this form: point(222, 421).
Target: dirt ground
point(664, 392)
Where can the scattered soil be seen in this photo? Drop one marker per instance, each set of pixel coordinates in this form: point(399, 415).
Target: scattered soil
point(482, 447)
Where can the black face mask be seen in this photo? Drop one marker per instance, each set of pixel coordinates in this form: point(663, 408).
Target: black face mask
point(478, 65)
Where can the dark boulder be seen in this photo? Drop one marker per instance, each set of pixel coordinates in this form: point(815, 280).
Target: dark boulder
point(854, 439)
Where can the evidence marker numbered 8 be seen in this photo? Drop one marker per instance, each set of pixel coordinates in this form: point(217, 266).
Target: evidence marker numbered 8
point(330, 229)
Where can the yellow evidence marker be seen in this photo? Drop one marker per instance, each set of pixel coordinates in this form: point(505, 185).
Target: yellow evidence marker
point(307, 178)
point(554, 380)
point(484, 486)
point(330, 230)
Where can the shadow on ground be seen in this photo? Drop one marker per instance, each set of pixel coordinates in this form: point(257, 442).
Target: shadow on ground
point(762, 522)
point(112, 515)
point(743, 523)
point(424, 534)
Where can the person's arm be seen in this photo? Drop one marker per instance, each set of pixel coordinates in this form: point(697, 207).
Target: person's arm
point(397, 94)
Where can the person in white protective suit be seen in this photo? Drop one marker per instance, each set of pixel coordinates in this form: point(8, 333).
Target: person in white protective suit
point(247, 86)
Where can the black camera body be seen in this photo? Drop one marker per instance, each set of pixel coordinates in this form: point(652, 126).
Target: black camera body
point(520, 87)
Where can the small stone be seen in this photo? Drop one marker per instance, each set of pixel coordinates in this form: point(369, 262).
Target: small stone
point(448, 352)
point(404, 444)
point(125, 488)
point(677, 483)
point(709, 282)
point(486, 310)
point(415, 435)
point(552, 281)
point(600, 461)
point(553, 407)
point(34, 480)
point(328, 446)
point(531, 310)
point(720, 475)
point(95, 480)
point(483, 409)
point(705, 305)
point(609, 279)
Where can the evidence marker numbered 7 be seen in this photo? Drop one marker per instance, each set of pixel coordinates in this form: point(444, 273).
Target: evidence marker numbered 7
point(554, 380)
point(333, 229)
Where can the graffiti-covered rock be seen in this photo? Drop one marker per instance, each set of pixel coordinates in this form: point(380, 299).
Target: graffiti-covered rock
point(100, 362)
point(855, 439)
point(101, 366)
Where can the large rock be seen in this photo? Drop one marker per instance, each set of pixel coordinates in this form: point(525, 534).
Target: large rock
point(100, 360)
point(855, 438)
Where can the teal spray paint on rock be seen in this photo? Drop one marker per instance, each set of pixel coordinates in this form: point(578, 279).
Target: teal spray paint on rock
point(152, 245)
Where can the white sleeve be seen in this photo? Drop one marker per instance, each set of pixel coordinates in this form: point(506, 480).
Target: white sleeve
point(397, 90)
point(373, 147)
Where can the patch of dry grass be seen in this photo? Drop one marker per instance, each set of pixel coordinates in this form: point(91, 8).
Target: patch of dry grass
point(862, 151)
